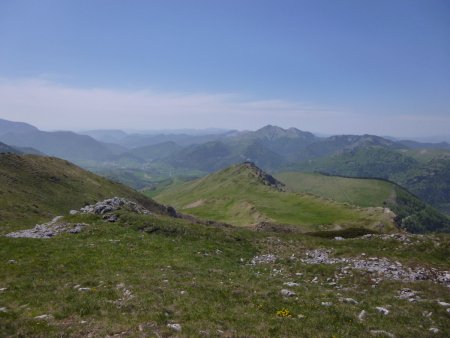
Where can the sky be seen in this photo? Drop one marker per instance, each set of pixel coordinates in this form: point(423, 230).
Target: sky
point(332, 67)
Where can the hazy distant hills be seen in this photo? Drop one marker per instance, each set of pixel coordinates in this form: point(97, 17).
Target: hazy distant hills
point(4, 148)
point(63, 144)
point(145, 160)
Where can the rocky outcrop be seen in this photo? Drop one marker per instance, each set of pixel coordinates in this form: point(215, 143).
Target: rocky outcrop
point(264, 177)
point(114, 204)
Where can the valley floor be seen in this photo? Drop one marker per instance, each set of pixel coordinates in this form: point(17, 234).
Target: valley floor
point(158, 276)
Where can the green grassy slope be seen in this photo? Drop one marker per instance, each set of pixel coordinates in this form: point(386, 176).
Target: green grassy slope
point(35, 188)
point(238, 196)
point(140, 279)
point(360, 192)
point(412, 213)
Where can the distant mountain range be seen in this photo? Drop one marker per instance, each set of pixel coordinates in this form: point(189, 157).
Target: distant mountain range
point(144, 160)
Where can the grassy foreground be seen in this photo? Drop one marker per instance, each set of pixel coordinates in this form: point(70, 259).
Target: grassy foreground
point(146, 272)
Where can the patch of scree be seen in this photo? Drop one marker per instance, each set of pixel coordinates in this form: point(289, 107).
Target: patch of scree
point(49, 230)
point(380, 266)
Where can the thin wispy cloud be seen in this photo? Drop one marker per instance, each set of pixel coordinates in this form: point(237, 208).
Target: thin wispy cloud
point(50, 105)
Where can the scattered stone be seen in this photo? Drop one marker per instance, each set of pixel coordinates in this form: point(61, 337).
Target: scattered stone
point(384, 268)
point(381, 333)
point(44, 317)
point(427, 314)
point(126, 295)
point(84, 289)
point(448, 310)
point(3, 309)
point(444, 304)
point(409, 295)
point(3, 289)
point(339, 238)
point(288, 293)
point(434, 330)
point(12, 261)
point(326, 304)
point(48, 230)
point(382, 310)
point(73, 212)
point(111, 218)
point(183, 292)
point(269, 258)
point(175, 327)
point(348, 301)
point(362, 315)
point(299, 274)
point(291, 284)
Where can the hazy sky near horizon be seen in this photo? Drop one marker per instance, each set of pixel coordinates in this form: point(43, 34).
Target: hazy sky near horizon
point(344, 66)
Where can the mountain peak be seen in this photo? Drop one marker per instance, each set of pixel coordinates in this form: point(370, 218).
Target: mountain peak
point(273, 132)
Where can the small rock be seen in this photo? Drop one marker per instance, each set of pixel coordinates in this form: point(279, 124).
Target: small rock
point(288, 293)
point(339, 238)
point(326, 304)
point(444, 304)
point(44, 317)
point(362, 315)
point(12, 261)
point(183, 292)
point(73, 212)
point(111, 219)
point(381, 333)
point(291, 284)
point(433, 330)
point(382, 310)
point(349, 301)
point(84, 289)
point(299, 274)
point(3, 289)
point(3, 309)
point(427, 314)
point(175, 327)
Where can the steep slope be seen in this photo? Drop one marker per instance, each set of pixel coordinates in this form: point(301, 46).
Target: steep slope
point(35, 188)
point(243, 195)
point(412, 213)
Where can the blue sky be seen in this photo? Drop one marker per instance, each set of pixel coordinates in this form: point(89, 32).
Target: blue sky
point(336, 66)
